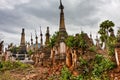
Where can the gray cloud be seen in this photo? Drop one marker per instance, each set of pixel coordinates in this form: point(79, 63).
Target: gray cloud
point(79, 14)
point(10, 4)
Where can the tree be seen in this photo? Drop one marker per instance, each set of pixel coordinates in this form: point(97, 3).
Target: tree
point(14, 49)
point(70, 41)
point(53, 39)
point(106, 26)
point(105, 29)
point(30, 52)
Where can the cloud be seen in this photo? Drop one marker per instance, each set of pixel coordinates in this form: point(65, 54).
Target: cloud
point(10, 4)
point(79, 14)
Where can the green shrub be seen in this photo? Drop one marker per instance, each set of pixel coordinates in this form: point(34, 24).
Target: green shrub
point(7, 65)
point(102, 64)
point(65, 74)
point(92, 49)
point(82, 61)
point(80, 77)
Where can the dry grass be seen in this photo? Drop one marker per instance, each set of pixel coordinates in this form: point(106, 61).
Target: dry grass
point(7, 76)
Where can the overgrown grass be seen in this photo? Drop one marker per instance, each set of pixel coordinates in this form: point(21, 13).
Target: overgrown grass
point(7, 76)
point(8, 65)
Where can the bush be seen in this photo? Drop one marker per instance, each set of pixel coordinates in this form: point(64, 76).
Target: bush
point(65, 74)
point(92, 49)
point(21, 65)
point(82, 61)
point(101, 65)
point(7, 65)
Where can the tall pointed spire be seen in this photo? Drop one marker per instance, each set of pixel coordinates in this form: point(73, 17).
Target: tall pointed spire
point(90, 35)
point(62, 29)
point(47, 36)
point(61, 6)
point(22, 43)
point(36, 45)
point(41, 39)
point(62, 35)
point(62, 22)
point(31, 39)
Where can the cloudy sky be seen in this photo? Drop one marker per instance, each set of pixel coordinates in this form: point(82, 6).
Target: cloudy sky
point(80, 15)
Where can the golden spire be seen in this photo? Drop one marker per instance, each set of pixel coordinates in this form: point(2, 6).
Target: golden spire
point(62, 22)
point(22, 37)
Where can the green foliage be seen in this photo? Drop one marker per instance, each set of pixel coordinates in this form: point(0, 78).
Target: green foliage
point(105, 28)
point(103, 76)
point(83, 44)
point(98, 71)
point(82, 61)
point(106, 24)
point(80, 77)
point(1, 65)
point(65, 74)
point(14, 49)
point(21, 65)
point(101, 64)
point(53, 39)
point(77, 42)
point(92, 49)
point(111, 45)
point(69, 41)
point(118, 33)
point(30, 52)
point(8, 65)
